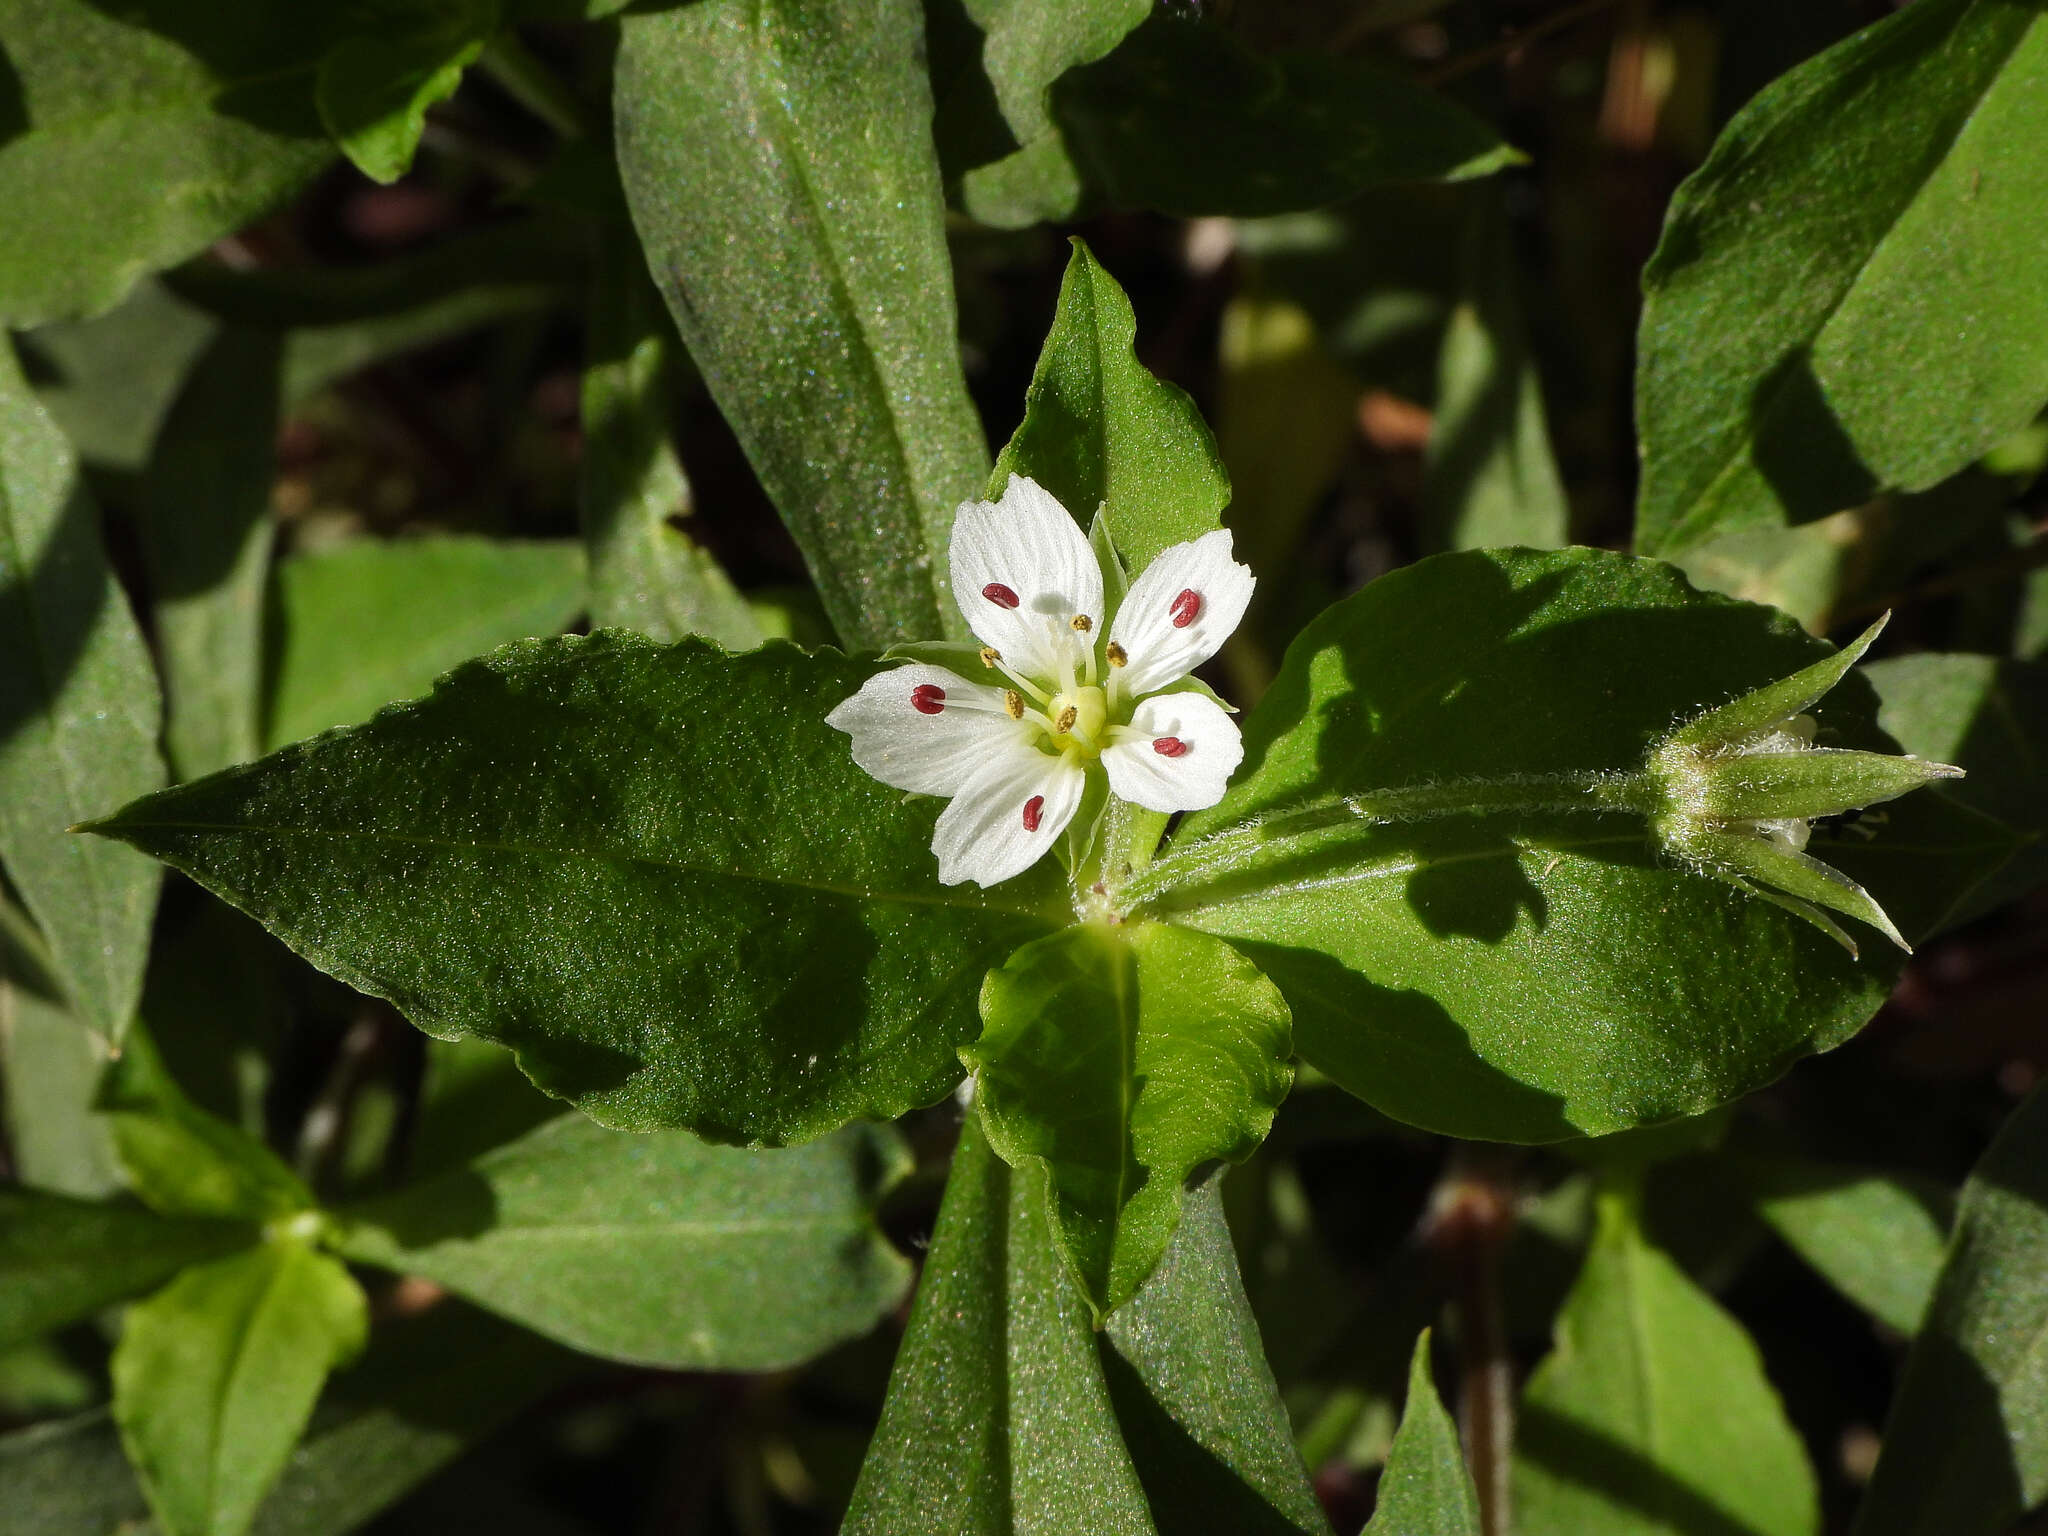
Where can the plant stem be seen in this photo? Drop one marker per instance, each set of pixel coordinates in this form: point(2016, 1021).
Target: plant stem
point(1471, 1216)
point(532, 84)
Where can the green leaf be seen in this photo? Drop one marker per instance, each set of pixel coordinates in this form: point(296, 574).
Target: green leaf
point(1101, 433)
point(607, 855)
point(817, 297)
point(138, 145)
point(1537, 973)
point(656, 1249)
point(110, 381)
point(1184, 119)
point(645, 572)
point(473, 1097)
point(1489, 477)
point(1425, 1490)
point(370, 623)
point(1116, 1061)
point(49, 1071)
point(216, 1375)
point(1878, 204)
point(63, 1259)
point(182, 1161)
point(373, 89)
point(207, 535)
point(1877, 1238)
point(1966, 1445)
point(1652, 1413)
point(78, 717)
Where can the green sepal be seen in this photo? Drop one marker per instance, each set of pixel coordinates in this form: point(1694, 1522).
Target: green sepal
point(962, 656)
point(1771, 786)
point(1753, 713)
point(1755, 858)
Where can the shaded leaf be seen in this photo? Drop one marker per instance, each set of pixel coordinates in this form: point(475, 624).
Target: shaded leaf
point(373, 88)
point(1425, 1490)
point(49, 1071)
point(656, 1249)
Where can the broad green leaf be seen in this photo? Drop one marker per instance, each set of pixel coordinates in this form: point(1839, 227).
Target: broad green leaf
point(654, 872)
point(1194, 1396)
point(143, 141)
point(110, 381)
point(473, 1098)
point(1489, 477)
point(1426, 1490)
point(179, 1159)
point(997, 1415)
point(1652, 1413)
point(373, 88)
point(1844, 298)
point(1185, 119)
point(78, 717)
point(49, 1071)
point(656, 1249)
point(63, 1259)
point(1102, 434)
point(216, 1375)
point(1966, 1445)
point(370, 623)
point(818, 303)
point(427, 1387)
point(646, 573)
point(207, 535)
point(1534, 974)
point(1877, 1238)
point(1115, 1061)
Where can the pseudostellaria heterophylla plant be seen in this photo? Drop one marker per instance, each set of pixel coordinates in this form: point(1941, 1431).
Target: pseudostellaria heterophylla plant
point(1087, 693)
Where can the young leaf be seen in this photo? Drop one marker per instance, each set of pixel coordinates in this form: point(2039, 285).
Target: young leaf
point(654, 872)
point(645, 573)
point(216, 1375)
point(1116, 1061)
point(1100, 432)
point(78, 717)
point(1652, 1413)
point(1966, 1445)
point(369, 623)
point(819, 304)
point(373, 88)
point(1879, 203)
point(207, 534)
point(215, 103)
point(1533, 974)
point(656, 1249)
point(1426, 1489)
point(63, 1259)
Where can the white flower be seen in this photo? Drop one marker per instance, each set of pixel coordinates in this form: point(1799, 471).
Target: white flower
point(1084, 696)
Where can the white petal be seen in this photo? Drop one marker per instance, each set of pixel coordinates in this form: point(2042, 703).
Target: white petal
point(916, 749)
point(1025, 547)
point(1179, 611)
point(982, 835)
point(1188, 780)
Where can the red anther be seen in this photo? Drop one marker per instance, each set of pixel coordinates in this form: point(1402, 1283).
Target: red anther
point(1000, 595)
point(1186, 608)
point(1032, 809)
point(927, 698)
point(1169, 746)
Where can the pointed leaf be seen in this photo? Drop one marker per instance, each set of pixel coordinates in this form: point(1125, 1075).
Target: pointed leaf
point(656, 1249)
point(806, 268)
point(1115, 1062)
point(1425, 1490)
point(78, 718)
point(655, 873)
point(373, 89)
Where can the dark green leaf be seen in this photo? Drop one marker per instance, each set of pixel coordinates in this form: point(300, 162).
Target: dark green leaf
point(1652, 1415)
point(1185, 119)
point(1101, 433)
point(373, 88)
point(819, 302)
point(1844, 297)
point(143, 141)
point(207, 537)
point(1115, 1061)
point(216, 1375)
point(655, 873)
point(656, 1249)
point(49, 1069)
point(1533, 975)
point(472, 1098)
point(645, 572)
point(370, 623)
point(110, 381)
point(1966, 1446)
point(78, 717)
point(63, 1259)
point(1425, 1490)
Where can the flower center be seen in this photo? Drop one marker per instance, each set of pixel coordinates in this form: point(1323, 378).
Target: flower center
point(1078, 717)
